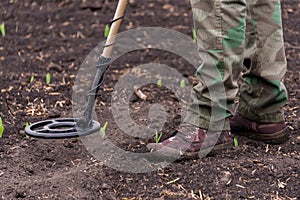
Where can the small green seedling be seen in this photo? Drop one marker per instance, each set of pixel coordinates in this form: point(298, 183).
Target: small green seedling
point(194, 35)
point(26, 125)
point(182, 83)
point(159, 83)
point(31, 79)
point(2, 29)
point(103, 130)
point(106, 31)
point(157, 137)
point(235, 142)
point(1, 128)
point(48, 78)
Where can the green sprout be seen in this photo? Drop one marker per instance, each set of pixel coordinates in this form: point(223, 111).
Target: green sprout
point(159, 83)
point(103, 130)
point(106, 31)
point(31, 79)
point(182, 83)
point(26, 125)
point(157, 137)
point(48, 78)
point(2, 29)
point(1, 128)
point(194, 35)
point(235, 142)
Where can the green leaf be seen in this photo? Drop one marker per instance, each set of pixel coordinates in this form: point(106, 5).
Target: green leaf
point(159, 83)
point(157, 137)
point(31, 79)
point(1, 131)
point(2, 29)
point(48, 78)
point(26, 125)
point(235, 142)
point(1, 128)
point(182, 83)
point(103, 130)
point(194, 35)
point(106, 31)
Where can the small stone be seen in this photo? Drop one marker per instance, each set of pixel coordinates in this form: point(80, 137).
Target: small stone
point(298, 140)
point(105, 186)
point(225, 177)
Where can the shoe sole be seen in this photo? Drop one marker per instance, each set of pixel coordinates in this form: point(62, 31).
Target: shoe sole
point(204, 152)
point(170, 154)
point(274, 138)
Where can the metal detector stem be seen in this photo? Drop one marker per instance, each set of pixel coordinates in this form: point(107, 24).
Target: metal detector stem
point(103, 63)
point(115, 25)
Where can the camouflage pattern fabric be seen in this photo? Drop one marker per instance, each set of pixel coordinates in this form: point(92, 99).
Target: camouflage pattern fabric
point(231, 35)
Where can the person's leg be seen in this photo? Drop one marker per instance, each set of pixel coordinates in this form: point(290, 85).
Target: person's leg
point(262, 93)
point(220, 26)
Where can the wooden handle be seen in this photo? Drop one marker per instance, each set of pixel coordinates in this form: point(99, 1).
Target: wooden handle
point(114, 29)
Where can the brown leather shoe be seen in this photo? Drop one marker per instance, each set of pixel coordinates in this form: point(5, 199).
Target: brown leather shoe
point(272, 133)
point(191, 141)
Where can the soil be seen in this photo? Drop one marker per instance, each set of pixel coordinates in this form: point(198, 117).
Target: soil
point(54, 37)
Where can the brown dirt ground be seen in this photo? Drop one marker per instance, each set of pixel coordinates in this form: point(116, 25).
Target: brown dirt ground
point(55, 36)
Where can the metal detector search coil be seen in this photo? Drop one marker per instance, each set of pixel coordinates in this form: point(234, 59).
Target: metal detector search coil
point(60, 128)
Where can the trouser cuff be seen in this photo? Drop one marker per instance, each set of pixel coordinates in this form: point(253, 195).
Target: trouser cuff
point(252, 114)
point(205, 122)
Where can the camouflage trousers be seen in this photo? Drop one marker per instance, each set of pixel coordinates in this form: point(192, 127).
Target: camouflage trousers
point(241, 45)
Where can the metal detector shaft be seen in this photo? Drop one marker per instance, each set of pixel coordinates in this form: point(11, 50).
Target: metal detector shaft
point(103, 63)
point(116, 23)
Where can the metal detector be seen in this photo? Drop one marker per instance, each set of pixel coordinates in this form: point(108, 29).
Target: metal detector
point(75, 127)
